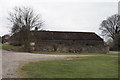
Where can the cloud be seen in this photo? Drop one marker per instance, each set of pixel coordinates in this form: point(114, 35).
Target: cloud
point(72, 15)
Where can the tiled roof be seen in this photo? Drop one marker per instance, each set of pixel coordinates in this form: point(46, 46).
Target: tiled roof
point(60, 35)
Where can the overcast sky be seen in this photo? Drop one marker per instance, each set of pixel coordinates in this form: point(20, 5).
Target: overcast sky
point(63, 15)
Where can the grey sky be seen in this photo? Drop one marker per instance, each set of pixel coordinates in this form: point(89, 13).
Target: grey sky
point(63, 15)
point(119, 8)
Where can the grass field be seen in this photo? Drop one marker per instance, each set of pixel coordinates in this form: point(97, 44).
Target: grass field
point(10, 47)
point(0, 46)
point(79, 67)
point(38, 52)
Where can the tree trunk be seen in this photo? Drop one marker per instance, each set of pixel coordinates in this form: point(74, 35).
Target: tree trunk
point(25, 39)
point(116, 42)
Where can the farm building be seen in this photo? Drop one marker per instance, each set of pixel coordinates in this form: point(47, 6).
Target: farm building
point(69, 42)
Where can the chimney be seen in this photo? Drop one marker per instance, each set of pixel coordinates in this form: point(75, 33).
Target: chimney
point(36, 28)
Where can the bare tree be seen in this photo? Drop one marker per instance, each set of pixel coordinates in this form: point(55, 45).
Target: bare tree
point(111, 26)
point(23, 20)
point(24, 16)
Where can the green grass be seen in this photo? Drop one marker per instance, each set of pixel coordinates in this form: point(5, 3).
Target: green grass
point(0, 46)
point(116, 51)
point(38, 52)
point(10, 47)
point(80, 67)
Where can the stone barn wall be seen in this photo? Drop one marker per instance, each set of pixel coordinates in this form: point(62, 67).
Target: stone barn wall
point(69, 42)
point(70, 46)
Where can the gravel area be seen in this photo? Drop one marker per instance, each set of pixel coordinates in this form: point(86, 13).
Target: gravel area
point(12, 60)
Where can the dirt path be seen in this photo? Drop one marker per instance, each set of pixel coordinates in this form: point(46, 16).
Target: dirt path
point(114, 52)
point(12, 60)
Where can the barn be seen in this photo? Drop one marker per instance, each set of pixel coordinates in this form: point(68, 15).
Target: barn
point(61, 41)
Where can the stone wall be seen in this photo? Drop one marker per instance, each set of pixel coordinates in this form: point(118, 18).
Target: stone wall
point(70, 46)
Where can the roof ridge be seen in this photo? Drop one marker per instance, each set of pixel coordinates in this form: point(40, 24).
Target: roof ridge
point(65, 31)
